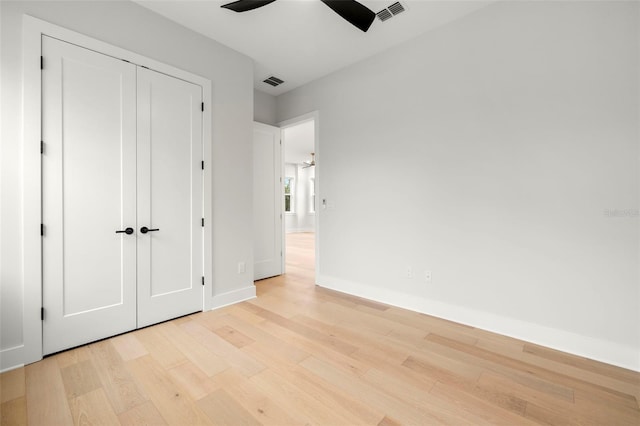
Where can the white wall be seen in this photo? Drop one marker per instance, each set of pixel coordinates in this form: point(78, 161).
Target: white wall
point(489, 152)
point(301, 219)
point(132, 27)
point(264, 108)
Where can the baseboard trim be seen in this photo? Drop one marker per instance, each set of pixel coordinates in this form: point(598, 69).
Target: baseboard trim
point(233, 297)
point(565, 341)
point(11, 358)
point(299, 230)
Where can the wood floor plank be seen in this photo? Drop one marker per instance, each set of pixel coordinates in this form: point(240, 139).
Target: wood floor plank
point(252, 399)
point(192, 349)
point(301, 329)
point(121, 389)
point(159, 347)
point(145, 414)
point(80, 378)
point(503, 361)
point(321, 349)
point(46, 397)
point(224, 410)
point(193, 379)
point(386, 421)
point(172, 400)
point(302, 406)
point(92, 408)
point(233, 336)
point(12, 385)
point(352, 411)
point(589, 365)
point(14, 412)
point(284, 348)
point(220, 347)
point(389, 405)
point(129, 347)
point(72, 356)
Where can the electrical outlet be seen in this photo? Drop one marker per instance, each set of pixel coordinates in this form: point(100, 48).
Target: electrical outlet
point(408, 273)
point(427, 276)
point(242, 267)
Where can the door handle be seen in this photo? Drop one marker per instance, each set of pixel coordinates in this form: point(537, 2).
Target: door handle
point(144, 230)
point(127, 231)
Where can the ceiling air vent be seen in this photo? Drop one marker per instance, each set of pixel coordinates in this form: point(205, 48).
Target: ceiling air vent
point(396, 8)
point(274, 81)
point(391, 11)
point(384, 14)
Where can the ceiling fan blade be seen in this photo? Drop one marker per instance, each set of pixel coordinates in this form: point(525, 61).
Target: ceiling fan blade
point(245, 5)
point(354, 12)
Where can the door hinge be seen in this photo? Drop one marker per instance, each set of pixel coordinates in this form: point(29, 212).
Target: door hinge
point(41, 147)
point(41, 314)
point(42, 229)
point(202, 106)
point(203, 165)
point(202, 280)
point(203, 221)
point(41, 62)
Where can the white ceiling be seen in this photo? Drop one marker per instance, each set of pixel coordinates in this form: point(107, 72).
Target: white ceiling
point(302, 40)
point(299, 142)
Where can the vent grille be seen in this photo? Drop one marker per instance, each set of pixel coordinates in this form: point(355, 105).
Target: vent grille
point(273, 81)
point(384, 14)
point(396, 8)
point(390, 11)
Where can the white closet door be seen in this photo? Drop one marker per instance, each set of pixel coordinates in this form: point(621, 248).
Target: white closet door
point(89, 193)
point(267, 202)
point(169, 197)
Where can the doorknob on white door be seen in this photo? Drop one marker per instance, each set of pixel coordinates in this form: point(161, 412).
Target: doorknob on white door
point(127, 231)
point(144, 230)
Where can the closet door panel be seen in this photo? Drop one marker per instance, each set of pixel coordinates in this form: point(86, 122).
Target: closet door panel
point(169, 197)
point(89, 175)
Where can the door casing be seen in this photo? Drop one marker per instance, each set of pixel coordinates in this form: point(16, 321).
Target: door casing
point(315, 117)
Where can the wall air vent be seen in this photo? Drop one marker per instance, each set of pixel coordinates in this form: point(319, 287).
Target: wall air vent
point(396, 8)
point(274, 81)
point(390, 11)
point(384, 14)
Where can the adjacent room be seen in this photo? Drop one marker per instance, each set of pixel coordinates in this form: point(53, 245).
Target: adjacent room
point(329, 212)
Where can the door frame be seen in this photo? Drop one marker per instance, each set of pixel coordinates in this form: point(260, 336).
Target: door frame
point(315, 117)
point(32, 31)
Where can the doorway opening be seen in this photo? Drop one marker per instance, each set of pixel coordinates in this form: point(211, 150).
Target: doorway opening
point(300, 189)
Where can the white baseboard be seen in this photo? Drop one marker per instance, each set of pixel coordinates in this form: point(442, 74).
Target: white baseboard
point(11, 358)
point(232, 297)
point(565, 341)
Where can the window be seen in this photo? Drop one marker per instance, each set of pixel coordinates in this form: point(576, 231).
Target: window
point(288, 195)
point(312, 195)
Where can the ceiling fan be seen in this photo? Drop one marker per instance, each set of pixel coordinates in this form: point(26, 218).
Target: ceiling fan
point(310, 163)
point(358, 15)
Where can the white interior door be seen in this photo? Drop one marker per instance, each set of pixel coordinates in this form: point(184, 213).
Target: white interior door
point(169, 197)
point(267, 201)
point(89, 193)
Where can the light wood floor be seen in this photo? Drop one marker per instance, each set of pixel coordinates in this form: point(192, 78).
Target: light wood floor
point(300, 355)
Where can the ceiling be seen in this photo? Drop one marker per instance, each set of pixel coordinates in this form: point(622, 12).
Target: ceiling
point(299, 142)
point(300, 41)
